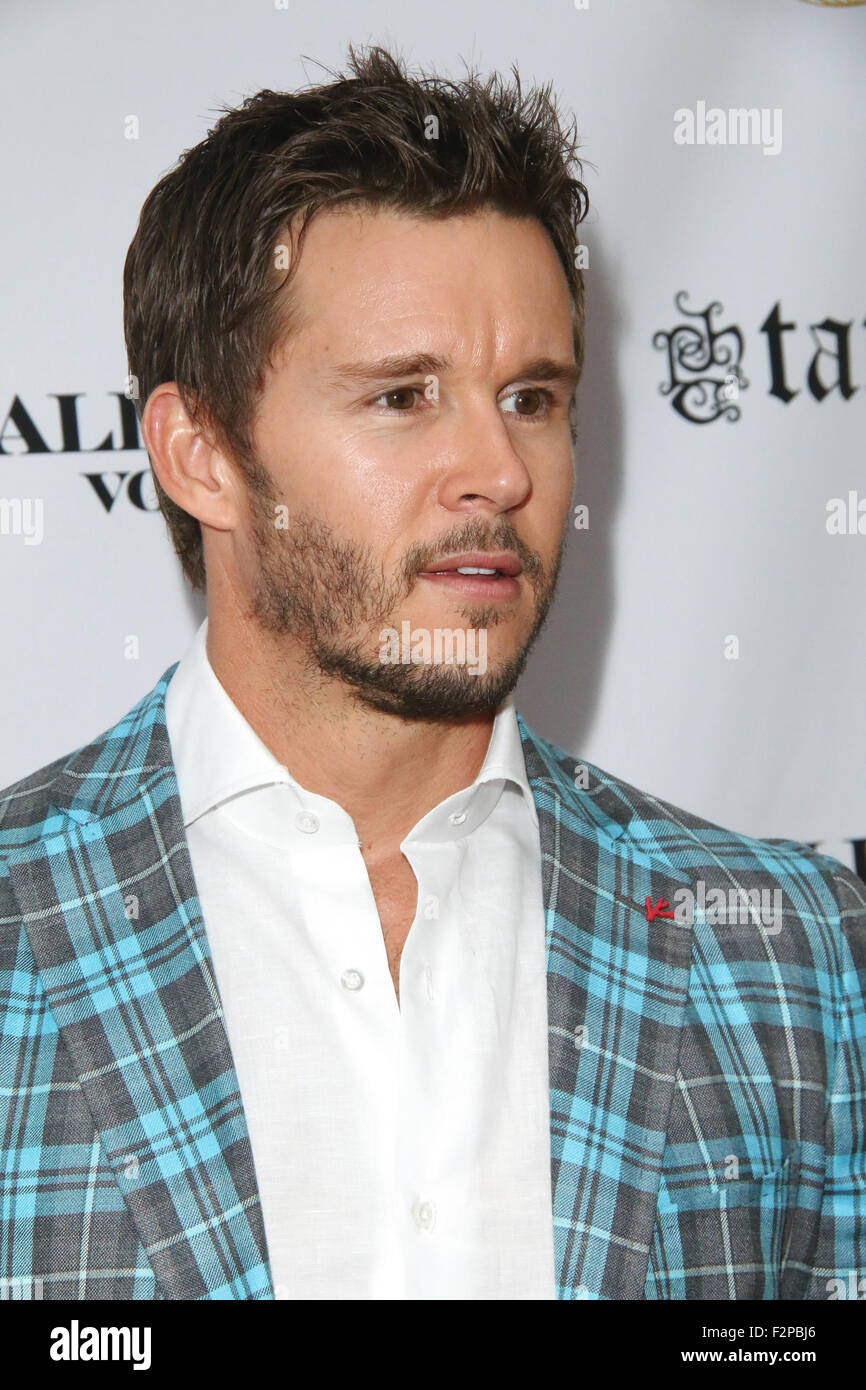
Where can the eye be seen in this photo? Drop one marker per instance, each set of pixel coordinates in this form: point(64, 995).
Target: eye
point(400, 398)
point(531, 402)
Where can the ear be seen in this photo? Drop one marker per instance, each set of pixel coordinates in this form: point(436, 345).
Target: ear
point(192, 469)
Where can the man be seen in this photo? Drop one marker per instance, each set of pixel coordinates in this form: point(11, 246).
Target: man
point(326, 976)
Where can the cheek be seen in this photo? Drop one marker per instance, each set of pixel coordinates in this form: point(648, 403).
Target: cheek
point(562, 480)
point(553, 486)
point(360, 486)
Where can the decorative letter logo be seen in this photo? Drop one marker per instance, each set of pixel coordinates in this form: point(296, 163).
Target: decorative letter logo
point(697, 393)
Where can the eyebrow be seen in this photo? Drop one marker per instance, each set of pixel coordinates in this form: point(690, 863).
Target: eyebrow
point(429, 364)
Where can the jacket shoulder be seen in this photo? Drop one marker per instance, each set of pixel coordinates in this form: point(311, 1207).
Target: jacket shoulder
point(26, 803)
point(688, 843)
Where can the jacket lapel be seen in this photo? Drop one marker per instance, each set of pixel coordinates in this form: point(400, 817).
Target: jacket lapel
point(617, 988)
point(111, 910)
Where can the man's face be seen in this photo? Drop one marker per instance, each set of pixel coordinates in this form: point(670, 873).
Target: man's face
point(417, 412)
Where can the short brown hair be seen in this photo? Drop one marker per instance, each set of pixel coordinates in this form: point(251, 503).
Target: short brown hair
point(201, 300)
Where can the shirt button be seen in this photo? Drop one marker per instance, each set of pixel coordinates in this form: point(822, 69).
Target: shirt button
point(457, 817)
point(352, 979)
point(307, 821)
point(424, 1214)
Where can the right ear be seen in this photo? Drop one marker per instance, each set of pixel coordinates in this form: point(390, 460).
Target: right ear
point(191, 468)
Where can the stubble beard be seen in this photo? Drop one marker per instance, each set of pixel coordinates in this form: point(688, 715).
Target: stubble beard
point(327, 593)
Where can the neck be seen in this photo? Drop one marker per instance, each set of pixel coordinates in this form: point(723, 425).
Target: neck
point(385, 771)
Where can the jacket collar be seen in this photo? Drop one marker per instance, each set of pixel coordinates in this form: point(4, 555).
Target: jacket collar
point(110, 906)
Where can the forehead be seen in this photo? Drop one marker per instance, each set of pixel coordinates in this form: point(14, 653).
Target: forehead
point(376, 277)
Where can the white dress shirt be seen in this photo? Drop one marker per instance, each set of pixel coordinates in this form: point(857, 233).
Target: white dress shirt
point(401, 1151)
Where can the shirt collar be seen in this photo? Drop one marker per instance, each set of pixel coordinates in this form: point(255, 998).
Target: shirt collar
point(218, 757)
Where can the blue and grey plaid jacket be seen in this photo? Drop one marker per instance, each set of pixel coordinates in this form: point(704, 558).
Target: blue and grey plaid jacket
point(707, 1075)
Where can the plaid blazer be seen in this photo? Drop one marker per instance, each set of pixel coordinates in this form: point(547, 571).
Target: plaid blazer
point(707, 1081)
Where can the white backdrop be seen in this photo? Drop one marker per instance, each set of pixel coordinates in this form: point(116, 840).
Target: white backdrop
point(699, 532)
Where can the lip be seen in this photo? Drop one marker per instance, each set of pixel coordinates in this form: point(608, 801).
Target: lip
point(490, 559)
point(505, 586)
point(476, 585)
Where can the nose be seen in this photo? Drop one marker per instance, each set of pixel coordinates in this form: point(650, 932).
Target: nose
point(481, 468)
